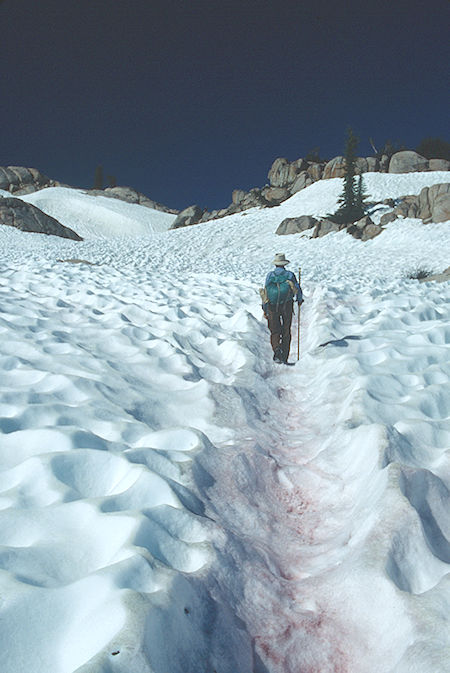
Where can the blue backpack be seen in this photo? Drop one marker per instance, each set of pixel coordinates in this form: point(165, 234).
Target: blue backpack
point(280, 288)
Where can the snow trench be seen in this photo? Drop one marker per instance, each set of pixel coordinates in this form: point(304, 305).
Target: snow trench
point(333, 496)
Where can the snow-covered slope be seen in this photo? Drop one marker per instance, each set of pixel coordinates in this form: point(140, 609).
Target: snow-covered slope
point(99, 216)
point(173, 502)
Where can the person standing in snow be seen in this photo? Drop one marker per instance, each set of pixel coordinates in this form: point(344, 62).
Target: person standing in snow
point(281, 287)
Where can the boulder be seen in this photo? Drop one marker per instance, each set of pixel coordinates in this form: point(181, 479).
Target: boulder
point(237, 196)
point(295, 225)
point(439, 200)
point(361, 165)
point(384, 163)
point(439, 165)
point(370, 231)
point(191, 215)
point(334, 168)
point(388, 217)
point(364, 229)
point(26, 217)
point(283, 172)
point(275, 195)
point(407, 161)
point(300, 165)
point(255, 198)
point(315, 171)
point(408, 207)
point(20, 180)
point(302, 180)
point(431, 205)
point(363, 222)
point(423, 206)
point(324, 227)
point(373, 165)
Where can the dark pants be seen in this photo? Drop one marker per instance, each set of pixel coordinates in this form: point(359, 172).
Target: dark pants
point(280, 328)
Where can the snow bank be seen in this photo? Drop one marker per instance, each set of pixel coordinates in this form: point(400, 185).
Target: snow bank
point(99, 216)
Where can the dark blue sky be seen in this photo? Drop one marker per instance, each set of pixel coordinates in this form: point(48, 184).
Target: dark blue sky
point(186, 100)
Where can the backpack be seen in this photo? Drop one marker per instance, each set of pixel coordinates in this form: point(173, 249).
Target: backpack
point(280, 288)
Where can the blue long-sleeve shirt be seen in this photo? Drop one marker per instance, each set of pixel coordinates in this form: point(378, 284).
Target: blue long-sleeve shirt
point(279, 269)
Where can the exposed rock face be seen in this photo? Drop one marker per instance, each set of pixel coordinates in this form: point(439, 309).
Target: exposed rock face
point(361, 165)
point(26, 217)
point(364, 229)
point(324, 227)
point(283, 172)
point(275, 195)
point(334, 168)
point(432, 204)
point(408, 207)
point(388, 217)
point(20, 180)
point(315, 171)
point(286, 178)
point(295, 225)
point(384, 163)
point(237, 196)
point(407, 161)
point(370, 231)
point(373, 165)
point(302, 180)
point(130, 195)
point(190, 215)
point(439, 165)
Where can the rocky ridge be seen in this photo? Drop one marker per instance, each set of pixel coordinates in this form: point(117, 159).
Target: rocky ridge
point(364, 229)
point(131, 195)
point(431, 205)
point(20, 181)
point(286, 178)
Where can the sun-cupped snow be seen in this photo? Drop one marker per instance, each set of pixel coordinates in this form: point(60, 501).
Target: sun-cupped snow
point(98, 216)
point(172, 501)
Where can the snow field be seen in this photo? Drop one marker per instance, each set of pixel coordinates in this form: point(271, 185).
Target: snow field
point(171, 500)
point(104, 392)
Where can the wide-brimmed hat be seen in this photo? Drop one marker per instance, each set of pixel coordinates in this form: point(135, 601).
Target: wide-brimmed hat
point(280, 259)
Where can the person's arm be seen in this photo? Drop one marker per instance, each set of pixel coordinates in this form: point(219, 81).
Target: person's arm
point(299, 298)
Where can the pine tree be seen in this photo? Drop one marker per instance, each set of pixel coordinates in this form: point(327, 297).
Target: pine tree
point(361, 195)
point(351, 200)
point(98, 179)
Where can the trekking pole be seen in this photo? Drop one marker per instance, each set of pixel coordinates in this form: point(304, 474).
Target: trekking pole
point(298, 321)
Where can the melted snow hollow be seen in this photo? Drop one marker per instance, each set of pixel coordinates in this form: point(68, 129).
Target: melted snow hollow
point(171, 501)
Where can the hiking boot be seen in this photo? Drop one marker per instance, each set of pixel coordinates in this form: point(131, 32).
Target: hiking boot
point(278, 356)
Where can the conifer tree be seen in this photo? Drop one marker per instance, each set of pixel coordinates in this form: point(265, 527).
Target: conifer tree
point(361, 195)
point(98, 179)
point(351, 200)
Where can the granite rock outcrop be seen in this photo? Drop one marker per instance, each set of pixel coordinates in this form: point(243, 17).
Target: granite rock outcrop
point(19, 180)
point(26, 217)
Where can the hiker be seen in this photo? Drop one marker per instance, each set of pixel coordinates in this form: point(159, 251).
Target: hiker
point(281, 287)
